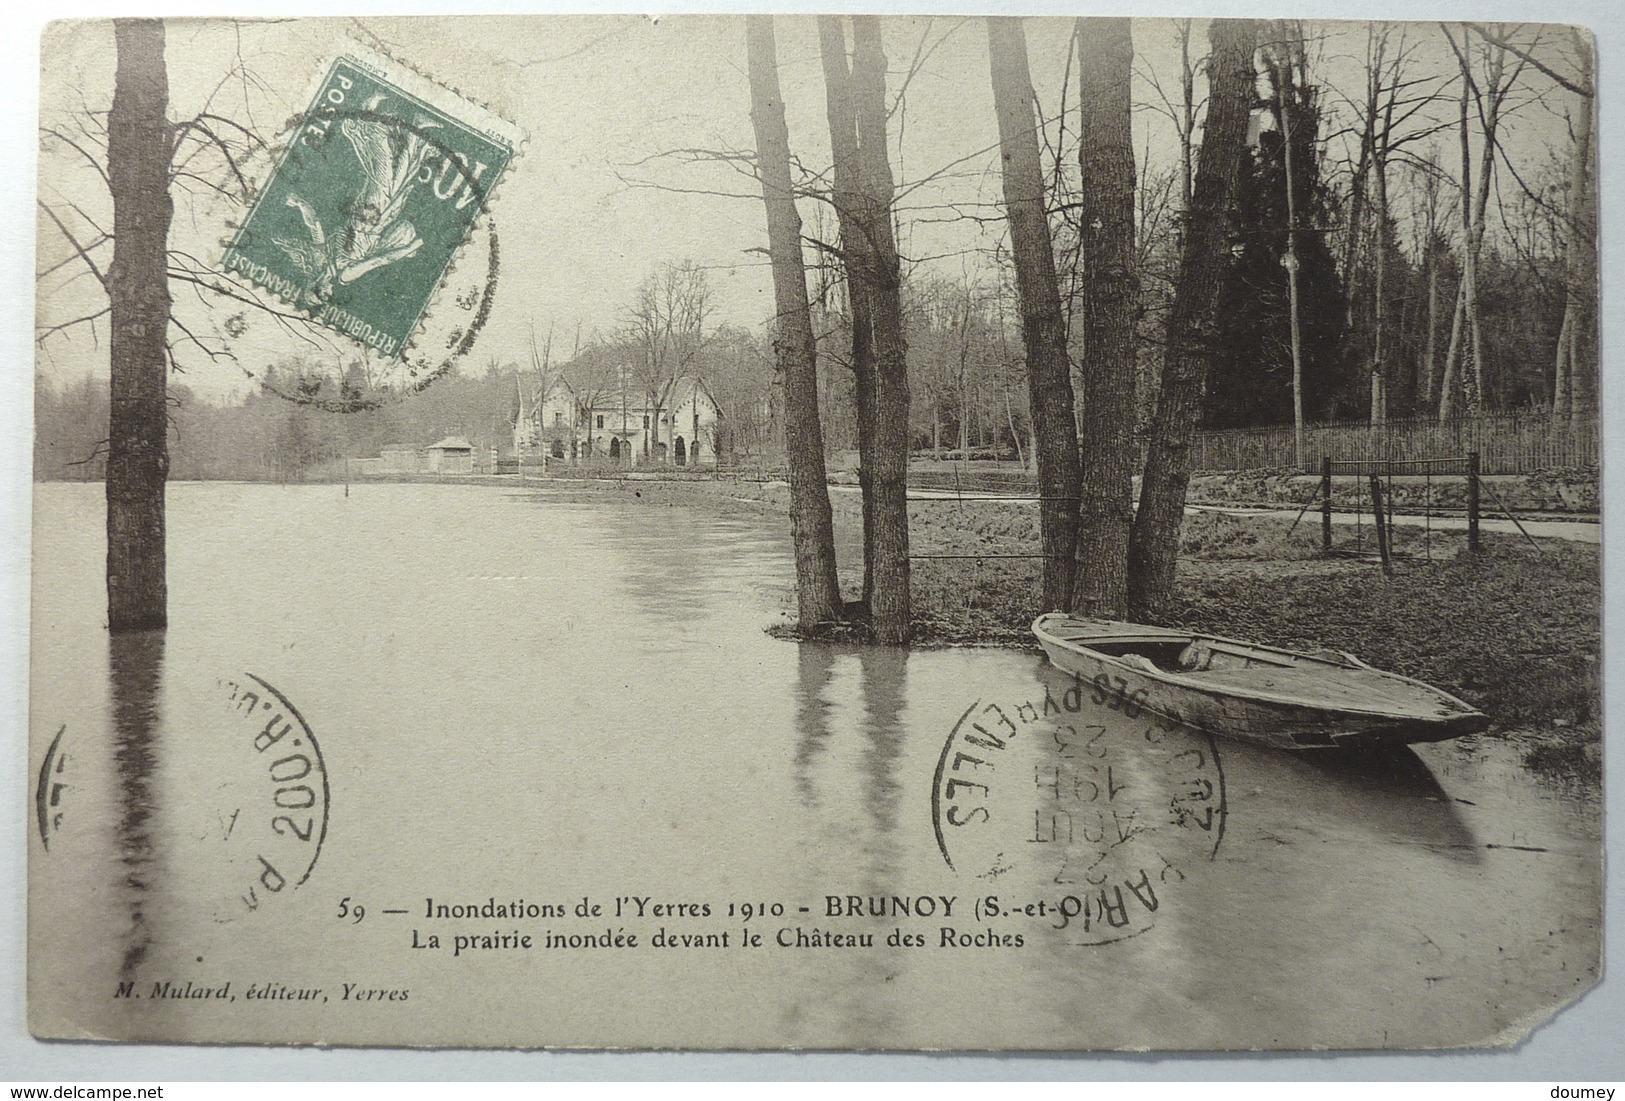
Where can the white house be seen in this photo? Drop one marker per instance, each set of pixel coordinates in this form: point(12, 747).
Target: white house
point(622, 426)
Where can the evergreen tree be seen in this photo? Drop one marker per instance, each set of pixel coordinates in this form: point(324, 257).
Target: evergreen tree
point(1251, 380)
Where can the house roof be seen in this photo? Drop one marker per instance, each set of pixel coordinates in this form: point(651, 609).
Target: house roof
point(692, 386)
point(636, 402)
point(546, 393)
point(452, 443)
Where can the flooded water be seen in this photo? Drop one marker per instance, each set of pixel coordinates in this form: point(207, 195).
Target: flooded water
point(474, 715)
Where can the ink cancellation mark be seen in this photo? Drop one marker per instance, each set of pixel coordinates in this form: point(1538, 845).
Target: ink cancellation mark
point(49, 789)
point(285, 806)
point(1084, 806)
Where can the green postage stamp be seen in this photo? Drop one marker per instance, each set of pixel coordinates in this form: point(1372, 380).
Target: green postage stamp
point(371, 199)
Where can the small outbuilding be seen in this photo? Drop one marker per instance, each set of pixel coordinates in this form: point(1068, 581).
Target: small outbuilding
point(452, 455)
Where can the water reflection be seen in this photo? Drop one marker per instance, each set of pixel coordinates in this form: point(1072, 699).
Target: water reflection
point(1392, 785)
point(696, 560)
point(863, 692)
point(853, 732)
point(135, 661)
point(815, 668)
point(883, 682)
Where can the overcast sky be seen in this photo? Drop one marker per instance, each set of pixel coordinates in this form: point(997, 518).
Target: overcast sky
point(595, 201)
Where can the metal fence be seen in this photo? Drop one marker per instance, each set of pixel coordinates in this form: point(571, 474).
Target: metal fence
point(1508, 443)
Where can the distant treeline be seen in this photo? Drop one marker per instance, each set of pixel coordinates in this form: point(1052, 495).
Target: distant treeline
point(268, 437)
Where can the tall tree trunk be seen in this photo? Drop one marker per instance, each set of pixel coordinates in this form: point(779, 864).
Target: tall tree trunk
point(1015, 436)
point(1424, 396)
point(1192, 321)
point(1110, 291)
point(1356, 222)
point(1453, 353)
point(1474, 209)
point(1379, 293)
point(1580, 309)
point(856, 254)
point(1486, 172)
point(1563, 383)
point(963, 380)
point(1283, 94)
point(1043, 326)
point(889, 601)
point(794, 351)
point(1187, 116)
point(1471, 371)
point(138, 151)
point(1458, 365)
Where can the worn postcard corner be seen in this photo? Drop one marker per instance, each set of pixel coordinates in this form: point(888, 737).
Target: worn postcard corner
point(773, 532)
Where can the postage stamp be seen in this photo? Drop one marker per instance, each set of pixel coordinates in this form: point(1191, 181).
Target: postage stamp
point(372, 198)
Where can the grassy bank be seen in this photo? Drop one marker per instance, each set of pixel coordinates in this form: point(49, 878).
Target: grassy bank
point(1513, 631)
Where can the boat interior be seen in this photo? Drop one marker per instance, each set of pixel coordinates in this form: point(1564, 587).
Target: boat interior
point(1188, 656)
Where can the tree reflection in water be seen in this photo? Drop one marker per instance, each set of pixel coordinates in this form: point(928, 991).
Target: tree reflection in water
point(136, 661)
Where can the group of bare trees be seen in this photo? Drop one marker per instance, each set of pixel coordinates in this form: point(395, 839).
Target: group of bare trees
point(1418, 215)
point(667, 329)
point(1099, 298)
point(862, 195)
point(1086, 517)
point(962, 370)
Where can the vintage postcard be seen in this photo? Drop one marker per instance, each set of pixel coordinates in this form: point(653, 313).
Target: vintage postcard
point(786, 532)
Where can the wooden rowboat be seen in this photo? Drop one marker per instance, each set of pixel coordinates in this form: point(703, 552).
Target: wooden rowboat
point(1263, 694)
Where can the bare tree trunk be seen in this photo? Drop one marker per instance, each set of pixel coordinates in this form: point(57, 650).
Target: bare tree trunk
point(1471, 371)
point(856, 254)
point(1043, 326)
point(1563, 383)
point(796, 355)
point(1383, 145)
point(1187, 115)
point(1192, 321)
point(889, 601)
point(1452, 358)
point(964, 380)
point(1110, 293)
point(1474, 210)
point(138, 151)
point(1356, 222)
point(1424, 398)
point(1281, 65)
point(1580, 309)
point(1379, 370)
point(1015, 436)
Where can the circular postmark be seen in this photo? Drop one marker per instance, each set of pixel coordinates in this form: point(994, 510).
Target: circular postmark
point(283, 795)
point(237, 816)
point(1080, 808)
point(50, 788)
